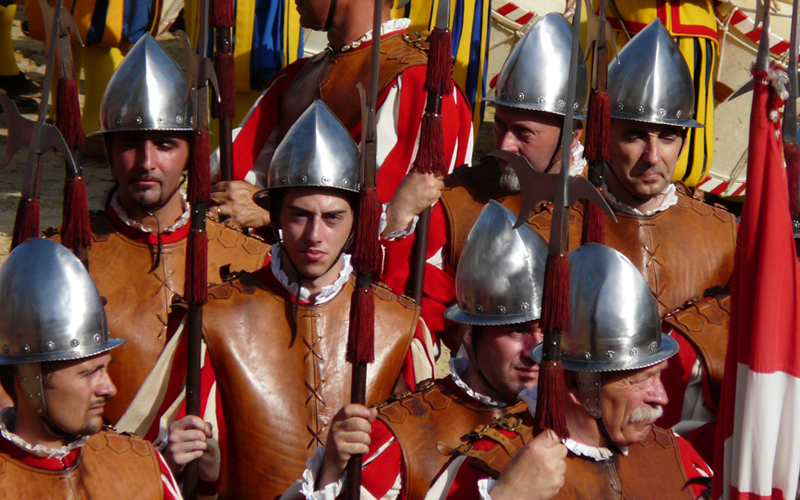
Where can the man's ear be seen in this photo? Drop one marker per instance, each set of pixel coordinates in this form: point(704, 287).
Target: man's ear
point(571, 385)
point(578, 130)
point(467, 340)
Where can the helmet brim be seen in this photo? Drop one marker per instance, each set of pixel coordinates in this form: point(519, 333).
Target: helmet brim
point(669, 347)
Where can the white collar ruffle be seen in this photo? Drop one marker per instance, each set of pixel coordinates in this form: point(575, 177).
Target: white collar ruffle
point(387, 27)
point(457, 368)
point(123, 216)
point(7, 418)
point(598, 453)
point(670, 199)
point(326, 293)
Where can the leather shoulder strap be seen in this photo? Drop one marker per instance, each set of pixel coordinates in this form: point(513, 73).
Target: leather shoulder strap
point(494, 446)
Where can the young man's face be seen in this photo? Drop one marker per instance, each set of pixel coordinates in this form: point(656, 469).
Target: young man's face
point(503, 356)
point(148, 167)
point(316, 224)
point(632, 401)
point(75, 393)
point(643, 158)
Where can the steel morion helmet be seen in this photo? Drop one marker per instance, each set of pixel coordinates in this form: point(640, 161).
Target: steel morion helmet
point(50, 310)
point(500, 275)
point(649, 80)
point(535, 75)
point(614, 322)
point(148, 91)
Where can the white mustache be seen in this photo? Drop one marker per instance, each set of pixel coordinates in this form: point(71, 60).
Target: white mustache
point(646, 414)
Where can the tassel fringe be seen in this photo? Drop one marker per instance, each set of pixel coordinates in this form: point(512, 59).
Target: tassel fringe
point(76, 230)
point(197, 267)
point(594, 224)
point(430, 156)
point(598, 129)
point(550, 399)
point(555, 299)
point(68, 113)
point(367, 254)
point(26, 224)
point(792, 155)
point(221, 14)
point(199, 189)
point(361, 336)
point(440, 63)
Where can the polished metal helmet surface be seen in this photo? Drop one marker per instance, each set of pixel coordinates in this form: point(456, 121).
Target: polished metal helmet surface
point(148, 91)
point(501, 272)
point(50, 309)
point(614, 322)
point(649, 80)
point(317, 151)
point(535, 75)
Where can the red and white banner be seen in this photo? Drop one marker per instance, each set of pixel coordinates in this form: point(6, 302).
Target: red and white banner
point(758, 436)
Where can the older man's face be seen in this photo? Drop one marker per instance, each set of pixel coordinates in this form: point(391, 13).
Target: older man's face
point(632, 401)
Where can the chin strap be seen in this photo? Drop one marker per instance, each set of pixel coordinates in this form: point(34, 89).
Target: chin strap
point(331, 12)
point(589, 384)
point(30, 378)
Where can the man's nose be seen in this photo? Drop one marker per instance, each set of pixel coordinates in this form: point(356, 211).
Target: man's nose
point(656, 394)
point(651, 152)
point(106, 387)
point(508, 142)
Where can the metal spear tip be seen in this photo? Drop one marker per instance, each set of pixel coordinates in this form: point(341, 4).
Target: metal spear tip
point(535, 186)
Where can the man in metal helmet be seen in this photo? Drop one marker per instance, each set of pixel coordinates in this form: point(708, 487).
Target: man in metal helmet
point(682, 246)
point(277, 338)
point(407, 440)
point(138, 252)
point(613, 357)
point(54, 359)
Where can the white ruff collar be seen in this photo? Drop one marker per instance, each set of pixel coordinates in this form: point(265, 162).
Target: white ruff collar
point(670, 199)
point(123, 216)
point(598, 453)
point(325, 294)
point(457, 367)
point(7, 418)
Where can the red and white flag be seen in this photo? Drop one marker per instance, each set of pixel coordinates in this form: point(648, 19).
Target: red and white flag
point(758, 436)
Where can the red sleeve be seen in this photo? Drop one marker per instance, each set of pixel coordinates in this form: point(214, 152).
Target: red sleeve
point(676, 378)
point(694, 465)
point(382, 466)
point(465, 484)
point(407, 371)
point(171, 489)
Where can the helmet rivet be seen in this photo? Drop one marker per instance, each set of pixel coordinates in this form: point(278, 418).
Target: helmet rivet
point(303, 179)
point(662, 112)
point(587, 355)
point(620, 106)
point(541, 100)
point(26, 348)
point(640, 110)
point(345, 182)
point(118, 121)
point(520, 96)
point(480, 308)
point(524, 306)
point(179, 119)
point(161, 119)
point(284, 181)
point(504, 94)
point(575, 106)
point(691, 113)
point(74, 343)
point(6, 348)
point(653, 346)
point(561, 104)
point(565, 353)
point(610, 355)
point(97, 338)
point(678, 114)
point(501, 309)
point(50, 345)
point(326, 180)
point(634, 352)
point(138, 120)
point(191, 120)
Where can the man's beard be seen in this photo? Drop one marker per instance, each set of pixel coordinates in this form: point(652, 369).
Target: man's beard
point(509, 180)
point(646, 413)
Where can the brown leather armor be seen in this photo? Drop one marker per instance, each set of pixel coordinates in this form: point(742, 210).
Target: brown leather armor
point(428, 424)
point(139, 300)
point(705, 324)
point(279, 392)
point(332, 77)
point(111, 466)
point(653, 468)
point(681, 252)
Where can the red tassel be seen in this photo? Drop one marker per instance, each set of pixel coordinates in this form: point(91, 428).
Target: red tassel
point(221, 14)
point(555, 298)
point(550, 399)
point(68, 113)
point(26, 224)
point(792, 156)
point(430, 156)
point(440, 63)
point(594, 224)
point(76, 232)
point(196, 282)
point(199, 188)
point(361, 336)
point(226, 77)
point(598, 128)
point(367, 254)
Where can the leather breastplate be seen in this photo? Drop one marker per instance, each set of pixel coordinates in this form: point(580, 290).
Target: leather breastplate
point(139, 301)
point(653, 469)
point(279, 392)
point(705, 324)
point(428, 425)
point(110, 467)
point(332, 77)
point(681, 252)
